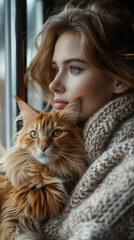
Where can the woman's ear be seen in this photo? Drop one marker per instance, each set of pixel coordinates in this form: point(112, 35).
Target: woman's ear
point(119, 86)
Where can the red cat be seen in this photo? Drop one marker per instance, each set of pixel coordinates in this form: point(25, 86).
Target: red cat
point(38, 171)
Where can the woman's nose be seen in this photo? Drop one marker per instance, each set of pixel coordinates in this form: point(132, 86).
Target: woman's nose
point(56, 86)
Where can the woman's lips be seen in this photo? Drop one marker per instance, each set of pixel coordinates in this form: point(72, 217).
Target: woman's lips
point(59, 104)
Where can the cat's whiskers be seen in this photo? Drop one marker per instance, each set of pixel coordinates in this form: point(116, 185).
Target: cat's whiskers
point(62, 155)
point(66, 155)
point(76, 155)
point(63, 161)
point(25, 158)
point(61, 165)
point(70, 154)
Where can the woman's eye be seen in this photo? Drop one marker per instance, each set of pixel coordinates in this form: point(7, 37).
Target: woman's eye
point(57, 133)
point(55, 70)
point(75, 70)
point(34, 134)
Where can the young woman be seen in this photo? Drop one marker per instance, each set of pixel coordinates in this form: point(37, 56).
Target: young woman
point(89, 51)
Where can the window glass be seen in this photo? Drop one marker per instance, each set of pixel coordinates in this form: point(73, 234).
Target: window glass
point(34, 26)
point(10, 71)
point(2, 77)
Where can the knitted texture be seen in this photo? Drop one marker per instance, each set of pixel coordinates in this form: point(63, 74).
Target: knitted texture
point(102, 203)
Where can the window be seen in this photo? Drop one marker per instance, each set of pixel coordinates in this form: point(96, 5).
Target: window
point(20, 21)
point(34, 26)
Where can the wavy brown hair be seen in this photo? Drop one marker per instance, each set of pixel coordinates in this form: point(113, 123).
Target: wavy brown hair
point(106, 32)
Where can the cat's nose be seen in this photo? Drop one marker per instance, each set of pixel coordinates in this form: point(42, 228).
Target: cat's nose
point(43, 147)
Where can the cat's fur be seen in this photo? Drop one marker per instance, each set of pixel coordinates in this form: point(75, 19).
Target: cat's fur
point(35, 173)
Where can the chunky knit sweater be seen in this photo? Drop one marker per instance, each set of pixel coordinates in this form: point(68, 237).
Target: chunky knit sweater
point(102, 204)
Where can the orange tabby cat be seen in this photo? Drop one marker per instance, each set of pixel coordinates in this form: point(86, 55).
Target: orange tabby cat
point(36, 172)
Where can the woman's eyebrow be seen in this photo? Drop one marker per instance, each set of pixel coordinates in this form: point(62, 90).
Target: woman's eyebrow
point(75, 60)
point(71, 60)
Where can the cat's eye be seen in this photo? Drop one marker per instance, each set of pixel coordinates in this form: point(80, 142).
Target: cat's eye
point(57, 133)
point(34, 134)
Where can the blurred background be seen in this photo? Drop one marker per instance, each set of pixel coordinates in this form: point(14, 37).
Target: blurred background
point(20, 22)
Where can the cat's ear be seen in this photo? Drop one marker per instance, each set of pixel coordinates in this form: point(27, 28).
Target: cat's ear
point(28, 113)
point(72, 111)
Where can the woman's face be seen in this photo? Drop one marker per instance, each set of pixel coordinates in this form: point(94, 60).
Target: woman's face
point(75, 76)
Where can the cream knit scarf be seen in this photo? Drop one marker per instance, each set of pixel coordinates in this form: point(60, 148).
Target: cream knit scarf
point(99, 136)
